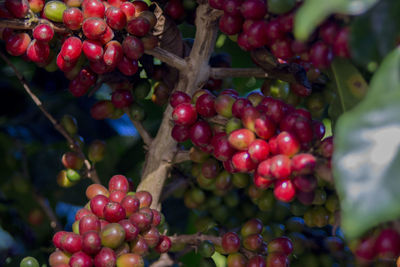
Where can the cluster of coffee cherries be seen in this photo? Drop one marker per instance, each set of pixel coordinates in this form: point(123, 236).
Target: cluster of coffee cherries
point(259, 135)
point(73, 161)
point(260, 23)
point(116, 228)
point(251, 240)
point(381, 244)
point(99, 37)
point(125, 95)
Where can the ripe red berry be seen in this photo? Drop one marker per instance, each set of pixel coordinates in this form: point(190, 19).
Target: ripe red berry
point(115, 18)
point(321, 55)
point(326, 147)
point(138, 26)
point(132, 47)
point(341, 45)
point(200, 133)
point(280, 245)
point(106, 257)
point(328, 32)
point(264, 127)
point(73, 18)
point(71, 243)
point(57, 237)
point(130, 204)
point(114, 212)
point(179, 97)
point(141, 219)
point(145, 198)
point(93, 28)
point(118, 183)
point(387, 244)
point(97, 205)
point(238, 107)
point(303, 163)
point(232, 7)
point(241, 139)
point(274, 31)
point(91, 242)
point(93, 8)
point(131, 231)
point(280, 166)
point(43, 33)
point(258, 150)
point(129, 10)
point(89, 222)
point(71, 49)
point(38, 52)
point(242, 162)
point(253, 242)
point(128, 66)
point(174, 9)
point(222, 150)
point(230, 242)
point(180, 133)
point(282, 48)
point(287, 144)
point(92, 49)
point(205, 105)
point(230, 25)
point(164, 244)
point(253, 9)
point(80, 259)
point(17, 44)
point(113, 53)
point(19, 8)
point(121, 98)
point(184, 114)
point(284, 190)
point(305, 183)
point(256, 34)
point(261, 182)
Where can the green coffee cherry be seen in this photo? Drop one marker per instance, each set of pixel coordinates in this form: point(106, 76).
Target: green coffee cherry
point(29, 262)
point(96, 150)
point(54, 10)
point(70, 124)
point(73, 175)
point(206, 249)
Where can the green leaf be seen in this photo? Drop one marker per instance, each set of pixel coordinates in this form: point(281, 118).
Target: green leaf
point(349, 86)
point(374, 34)
point(313, 12)
point(366, 161)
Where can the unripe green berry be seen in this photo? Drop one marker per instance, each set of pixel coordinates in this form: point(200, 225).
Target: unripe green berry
point(96, 150)
point(54, 10)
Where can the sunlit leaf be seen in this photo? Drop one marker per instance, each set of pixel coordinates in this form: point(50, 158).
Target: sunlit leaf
point(367, 153)
point(350, 87)
point(313, 12)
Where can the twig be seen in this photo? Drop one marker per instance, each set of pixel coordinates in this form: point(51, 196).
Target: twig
point(168, 57)
point(27, 24)
point(91, 172)
point(147, 139)
point(196, 239)
point(54, 222)
point(163, 148)
point(163, 261)
point(182, 156)
point(221, 73)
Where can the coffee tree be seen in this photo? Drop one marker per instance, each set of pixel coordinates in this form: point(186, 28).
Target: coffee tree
point(260, 133)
